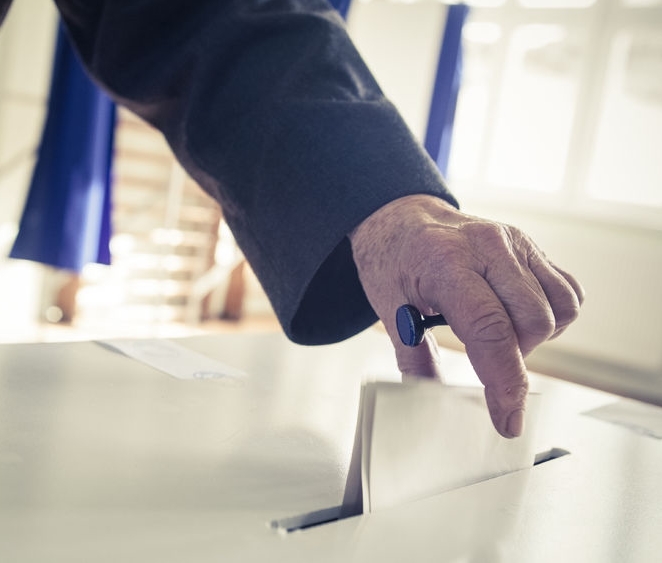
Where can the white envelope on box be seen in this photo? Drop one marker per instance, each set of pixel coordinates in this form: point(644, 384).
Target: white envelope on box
point(420, 438)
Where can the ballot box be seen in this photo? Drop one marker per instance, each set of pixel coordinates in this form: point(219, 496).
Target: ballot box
point(245, 457)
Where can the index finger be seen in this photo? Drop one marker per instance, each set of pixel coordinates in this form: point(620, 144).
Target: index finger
point(480, 321)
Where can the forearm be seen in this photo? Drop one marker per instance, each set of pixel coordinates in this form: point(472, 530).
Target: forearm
point(270, 108)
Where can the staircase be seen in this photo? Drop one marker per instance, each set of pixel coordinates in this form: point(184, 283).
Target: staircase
point(165, 237)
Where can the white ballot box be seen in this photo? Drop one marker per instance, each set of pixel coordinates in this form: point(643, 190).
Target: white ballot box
point(239, 447)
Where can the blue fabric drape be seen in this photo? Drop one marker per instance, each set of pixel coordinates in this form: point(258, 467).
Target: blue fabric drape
point(342, 6)
point(66, 218)
point(446, 88)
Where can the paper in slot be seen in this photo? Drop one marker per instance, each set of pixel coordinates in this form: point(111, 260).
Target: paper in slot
point(421, 437)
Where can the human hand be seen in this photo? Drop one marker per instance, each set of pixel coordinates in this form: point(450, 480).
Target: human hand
point(497, 290)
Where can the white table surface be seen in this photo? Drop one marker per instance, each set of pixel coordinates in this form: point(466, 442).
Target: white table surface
point(103, 458)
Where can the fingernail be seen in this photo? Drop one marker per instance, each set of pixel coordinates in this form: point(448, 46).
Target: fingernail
point(515, 424)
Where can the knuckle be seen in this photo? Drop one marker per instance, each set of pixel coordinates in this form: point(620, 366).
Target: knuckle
point(540, 325)
point(565, 310)
point(488, 232)
point(493, 327)
point(567, 314)
point(496, 244)
point(534, 329)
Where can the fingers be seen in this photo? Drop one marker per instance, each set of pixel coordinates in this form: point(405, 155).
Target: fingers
point(576, 286)
point(579, 294)
point(540, 300)
point(480, 321)
point(525, 302)
point(418, 361)
point(563, 292)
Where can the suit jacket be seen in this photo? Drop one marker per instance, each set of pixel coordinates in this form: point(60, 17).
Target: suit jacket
point(269, 107)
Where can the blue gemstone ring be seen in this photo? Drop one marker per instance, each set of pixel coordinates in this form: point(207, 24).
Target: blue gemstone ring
point(412, 325)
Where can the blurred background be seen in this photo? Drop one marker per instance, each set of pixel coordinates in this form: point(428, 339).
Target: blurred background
point(557, 130)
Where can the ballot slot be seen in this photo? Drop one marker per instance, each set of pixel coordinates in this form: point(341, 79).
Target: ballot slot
point(322, 517)
point(309, 520)
point(419, 438)
point(549, 455)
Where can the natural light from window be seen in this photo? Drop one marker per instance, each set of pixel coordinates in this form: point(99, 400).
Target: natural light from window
point(563, 107)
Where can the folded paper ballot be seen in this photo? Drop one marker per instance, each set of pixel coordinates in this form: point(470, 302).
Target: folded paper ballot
point(419, 438)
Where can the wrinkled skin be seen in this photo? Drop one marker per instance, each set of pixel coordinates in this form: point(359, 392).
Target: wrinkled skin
point(499, 293)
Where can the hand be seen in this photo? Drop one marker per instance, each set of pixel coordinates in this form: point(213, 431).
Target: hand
point(497, 290)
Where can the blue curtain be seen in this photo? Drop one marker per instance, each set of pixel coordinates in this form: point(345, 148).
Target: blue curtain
point(446, 88)
point(66, 218)
point(342, 6)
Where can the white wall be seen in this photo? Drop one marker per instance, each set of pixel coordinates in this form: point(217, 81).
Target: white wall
point(26, 50)
point(617, 342)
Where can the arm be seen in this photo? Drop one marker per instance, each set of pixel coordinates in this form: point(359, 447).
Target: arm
point(269, 107)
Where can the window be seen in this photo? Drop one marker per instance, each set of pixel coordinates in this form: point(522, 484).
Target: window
point(561, 106)
point(630, 117)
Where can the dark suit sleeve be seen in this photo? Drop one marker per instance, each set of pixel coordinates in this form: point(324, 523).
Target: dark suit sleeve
point(4, 8)
point(267, 104)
